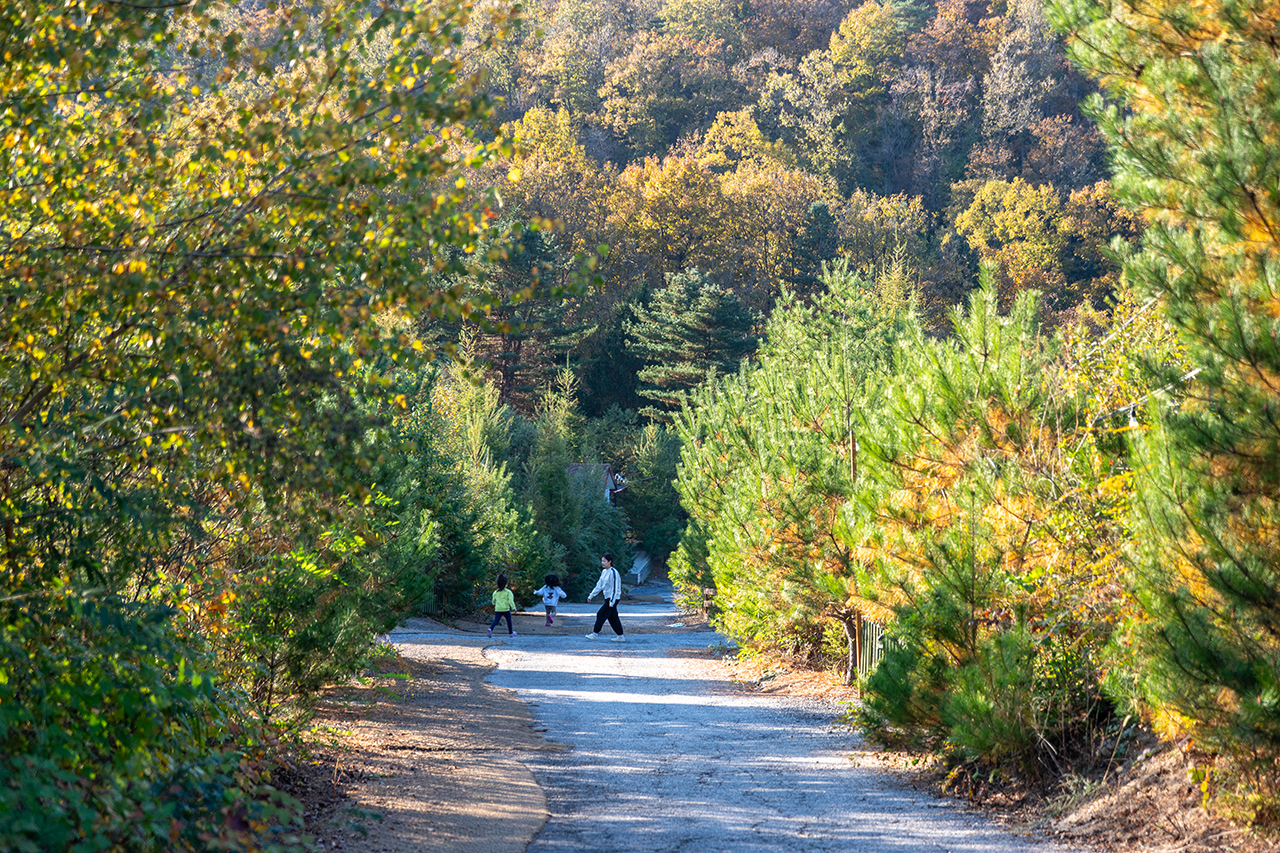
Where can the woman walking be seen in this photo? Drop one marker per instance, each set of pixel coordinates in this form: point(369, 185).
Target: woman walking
point(610, 585)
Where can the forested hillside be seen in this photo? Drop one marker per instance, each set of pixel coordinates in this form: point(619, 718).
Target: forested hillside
point(755, 142)
point(959, 318)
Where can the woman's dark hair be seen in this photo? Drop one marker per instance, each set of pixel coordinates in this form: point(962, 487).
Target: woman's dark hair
point(552, 580)
point(608, 557)
point(502, 581)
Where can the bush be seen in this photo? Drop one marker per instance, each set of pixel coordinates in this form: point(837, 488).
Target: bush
point(902, 697)
point(114, 736)
point(689, 570)
point(304, 620)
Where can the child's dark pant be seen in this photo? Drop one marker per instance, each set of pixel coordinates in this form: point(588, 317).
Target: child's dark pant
point(610, 612)
point(498, 615)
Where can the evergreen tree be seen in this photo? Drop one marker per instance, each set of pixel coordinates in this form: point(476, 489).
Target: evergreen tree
point(770, 463)
point(691, 329)
point(606, 366)
point(651, 501)
point(817, 241)
point(530, 331)
point(568, 505)
point(1196, 147)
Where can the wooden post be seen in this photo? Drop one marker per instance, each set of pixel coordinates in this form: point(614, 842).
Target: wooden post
point(852, 622)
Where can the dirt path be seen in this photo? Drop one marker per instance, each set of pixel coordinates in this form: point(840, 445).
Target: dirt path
point(667, 757)
point(432, 756)
point(651, 748)
point(430, 761)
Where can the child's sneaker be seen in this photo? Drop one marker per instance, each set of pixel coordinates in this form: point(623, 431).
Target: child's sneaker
point(619, 639)
point(593, 635)
point(548, 621)
point(513, 633)
point(490, 634)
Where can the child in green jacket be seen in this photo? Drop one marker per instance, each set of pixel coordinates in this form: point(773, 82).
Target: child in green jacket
point(504, 604)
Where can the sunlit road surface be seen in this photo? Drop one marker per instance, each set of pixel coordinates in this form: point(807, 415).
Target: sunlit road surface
point(665, 759)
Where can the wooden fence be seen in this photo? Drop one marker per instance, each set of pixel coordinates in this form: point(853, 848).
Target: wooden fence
point(873, 641)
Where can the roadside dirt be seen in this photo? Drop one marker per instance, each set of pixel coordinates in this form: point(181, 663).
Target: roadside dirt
point(419, 757)
point(1153, 805)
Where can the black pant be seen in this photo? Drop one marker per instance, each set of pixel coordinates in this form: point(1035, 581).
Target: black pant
point(498, 615)
point(610, 612)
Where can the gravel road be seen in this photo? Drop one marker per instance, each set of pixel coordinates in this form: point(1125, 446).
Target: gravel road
point(666, 760)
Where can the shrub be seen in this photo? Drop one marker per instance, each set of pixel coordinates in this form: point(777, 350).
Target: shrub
point(114, 735)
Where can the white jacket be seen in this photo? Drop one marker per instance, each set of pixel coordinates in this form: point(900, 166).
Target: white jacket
point(610, 584)
point(551, 595)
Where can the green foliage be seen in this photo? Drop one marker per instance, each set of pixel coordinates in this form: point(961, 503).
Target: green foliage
point(976, 544)
point(607, 367)
point(771, 457)
point(567, 496)
point(651, 501)
point(904, 694)
point(602, 529)
point(455, 518)
point(203, 210)
point(205, 361)
point(469, 489)
point(526, 336)
point(303, 620)
point(816, 244)
point(1197, 103)
point(991, 707)
point(115, 734)
point(954, 489)
point(690, 330)
point(689, 566)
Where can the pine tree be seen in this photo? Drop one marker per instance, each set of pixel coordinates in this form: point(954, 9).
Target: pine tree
point(1196, 148)
point(770, 465)
point(567, 505)
point(817, 241)
point(531, 330)
point(691, 329)
point(606, 366)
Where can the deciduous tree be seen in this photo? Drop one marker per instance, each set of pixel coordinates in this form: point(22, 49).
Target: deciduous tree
point(194, 231)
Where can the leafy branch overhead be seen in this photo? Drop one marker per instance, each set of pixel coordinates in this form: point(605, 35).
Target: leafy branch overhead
point(198, 224)
point(204, 209)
